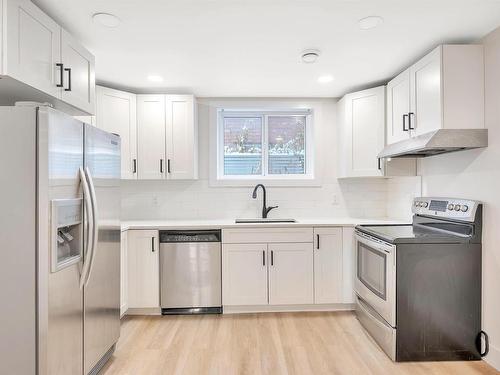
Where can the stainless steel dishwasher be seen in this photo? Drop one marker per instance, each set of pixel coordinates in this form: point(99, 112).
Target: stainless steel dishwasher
point(190, 272)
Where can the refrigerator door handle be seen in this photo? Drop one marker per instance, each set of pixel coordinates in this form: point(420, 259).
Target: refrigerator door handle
point(95, 231)
point(89, 213)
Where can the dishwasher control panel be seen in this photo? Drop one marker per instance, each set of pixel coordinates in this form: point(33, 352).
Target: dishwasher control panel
point(170, 236)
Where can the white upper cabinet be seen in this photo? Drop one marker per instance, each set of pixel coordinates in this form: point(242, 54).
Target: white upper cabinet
point(364, 124)
point(444, 89)
point(167, 137)
point(116, 113)
point(398, 108)
point(182, 157)
point(361, 129)
point(328, 265)
point(78, 74)
point(32, 46)
point(38, 53)
point(151, 153)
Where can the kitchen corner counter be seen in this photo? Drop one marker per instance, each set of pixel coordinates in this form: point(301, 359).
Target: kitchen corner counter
point(229, 223)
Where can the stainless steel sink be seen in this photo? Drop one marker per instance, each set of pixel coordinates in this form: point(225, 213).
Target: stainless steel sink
point(260, 220)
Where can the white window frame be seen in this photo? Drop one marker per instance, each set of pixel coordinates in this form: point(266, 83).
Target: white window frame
point(264, 115)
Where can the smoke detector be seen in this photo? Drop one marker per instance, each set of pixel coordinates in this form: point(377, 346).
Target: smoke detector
point(310, 56)
point(106, 19)
point(370, 22)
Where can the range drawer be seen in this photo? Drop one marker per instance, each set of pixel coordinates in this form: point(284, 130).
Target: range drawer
point(381, 331)
point(267, 235)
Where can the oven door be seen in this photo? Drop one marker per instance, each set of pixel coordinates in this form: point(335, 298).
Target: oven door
point(376, 275)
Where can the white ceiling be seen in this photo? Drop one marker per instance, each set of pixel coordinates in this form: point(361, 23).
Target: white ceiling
point(251, 48)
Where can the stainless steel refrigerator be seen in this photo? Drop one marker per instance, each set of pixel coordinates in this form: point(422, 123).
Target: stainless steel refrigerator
point(60, 243)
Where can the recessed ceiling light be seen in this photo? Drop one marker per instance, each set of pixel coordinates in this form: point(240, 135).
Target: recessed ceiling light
point(370, 22)
point(310, 56)
point(106, 19)
point(155, 78)
point(325, 79)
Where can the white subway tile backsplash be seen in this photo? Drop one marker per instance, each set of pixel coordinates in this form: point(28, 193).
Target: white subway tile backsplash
point(156, 200)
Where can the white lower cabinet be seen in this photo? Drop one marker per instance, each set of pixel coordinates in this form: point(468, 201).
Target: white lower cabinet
point(123, 273)
point(328, 265)
point(143, 269)
point(348, 264)
point(284, 266)
point(244, 274)
point(290, 273)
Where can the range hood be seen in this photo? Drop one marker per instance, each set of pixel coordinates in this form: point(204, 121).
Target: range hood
point(437, 142)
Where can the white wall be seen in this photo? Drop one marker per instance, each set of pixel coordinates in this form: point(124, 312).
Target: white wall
point(400, 194)
point(198, 200)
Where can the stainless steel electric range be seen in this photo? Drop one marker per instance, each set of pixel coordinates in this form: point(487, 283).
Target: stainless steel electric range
point(418, 286)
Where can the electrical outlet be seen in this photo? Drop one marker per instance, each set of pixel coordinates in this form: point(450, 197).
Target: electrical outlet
point(154, 201)
point(335, 200)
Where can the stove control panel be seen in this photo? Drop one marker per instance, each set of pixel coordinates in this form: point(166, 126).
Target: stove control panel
point(451, 208)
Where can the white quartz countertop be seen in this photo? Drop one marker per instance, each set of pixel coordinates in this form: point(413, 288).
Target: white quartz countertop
point(229, 223)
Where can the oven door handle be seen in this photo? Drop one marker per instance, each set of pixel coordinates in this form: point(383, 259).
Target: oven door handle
point(374, 244)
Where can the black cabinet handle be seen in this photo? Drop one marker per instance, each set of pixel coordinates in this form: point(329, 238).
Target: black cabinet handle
point(379, 164)
point(152, 244)
point(69, 78)
point(405, 116)
point(61, 75)
point(263, 257)
point(409, 121)
point(272, 258)
point(161, 165)
point(168, 165)
point(134, 166)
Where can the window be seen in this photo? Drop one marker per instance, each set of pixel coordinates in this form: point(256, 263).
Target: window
point(269, 145)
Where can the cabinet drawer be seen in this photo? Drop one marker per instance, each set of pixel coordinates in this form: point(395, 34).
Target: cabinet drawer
point(267, 235)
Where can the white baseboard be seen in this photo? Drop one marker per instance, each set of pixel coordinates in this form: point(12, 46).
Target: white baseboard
point(143, 311)
point(123, 310)
point(493, 357)
point(288, 308)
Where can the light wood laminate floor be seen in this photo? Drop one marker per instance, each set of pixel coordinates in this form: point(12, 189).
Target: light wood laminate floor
point(271, 343)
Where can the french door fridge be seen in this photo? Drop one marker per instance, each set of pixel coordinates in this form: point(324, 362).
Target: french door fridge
point(60, 239)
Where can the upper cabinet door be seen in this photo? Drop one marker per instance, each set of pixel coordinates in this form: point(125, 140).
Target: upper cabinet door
point(151, 137)
point(425, 94)
point(79, 74)
point(116, 113)
point(365, 113)
point(182, 158)
point(33, 47)
point(398, 108)
point(290, 273)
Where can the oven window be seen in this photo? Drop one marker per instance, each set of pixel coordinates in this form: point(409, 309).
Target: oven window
point(372, 269)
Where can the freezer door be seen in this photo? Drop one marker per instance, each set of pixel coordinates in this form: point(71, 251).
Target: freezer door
point(60, 243)
point(102, 288)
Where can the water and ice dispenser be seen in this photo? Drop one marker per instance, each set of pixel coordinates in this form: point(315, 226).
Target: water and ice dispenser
point(66, 233)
